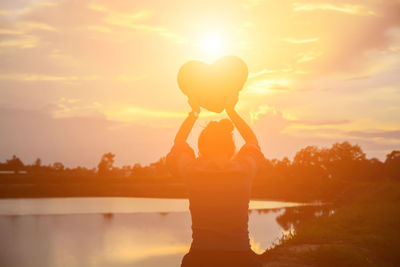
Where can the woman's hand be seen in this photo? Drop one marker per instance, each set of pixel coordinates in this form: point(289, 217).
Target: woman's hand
point(231, 102)
point(194, 104)
point(244, 129)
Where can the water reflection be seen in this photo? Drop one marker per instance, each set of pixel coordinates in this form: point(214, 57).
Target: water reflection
point(293, 216)
point(96, 205)
point(141, 239)
point(94, 240)
point(121, 239)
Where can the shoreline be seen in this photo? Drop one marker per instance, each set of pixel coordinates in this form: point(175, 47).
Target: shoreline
point(36, 186)
point(142, 190)
point(363, 231)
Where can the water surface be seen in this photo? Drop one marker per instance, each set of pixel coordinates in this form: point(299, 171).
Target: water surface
point(112, 231)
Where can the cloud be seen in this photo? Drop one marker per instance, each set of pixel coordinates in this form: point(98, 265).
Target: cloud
point(359, 46)
point(251, 3)
point(127, 20)
point(23, 42)
point(137, 113)
point(292, 121)
point(261, 110)
point(26, 26)
point(331, 38)
point(393, 135)
point(351, 9)
point(279, 138)
point(128, 78)
point(321, 122)
point(97, 7)
point(134, 21)
point(388, 139)
point(301, 41)
point(78, 133)
point(308, 56)
point(74, 108)
point(267, 86)
point(99, 28)
point(23, 34)
point(16, 9)
point(140, 113)
point(78, 140)
point(10, 32)
point(43, 78)
point(257, 74)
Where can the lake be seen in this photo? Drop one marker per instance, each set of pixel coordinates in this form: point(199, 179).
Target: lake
point(141, 232)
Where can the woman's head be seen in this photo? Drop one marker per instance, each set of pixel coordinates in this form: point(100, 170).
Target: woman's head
point(216, 140)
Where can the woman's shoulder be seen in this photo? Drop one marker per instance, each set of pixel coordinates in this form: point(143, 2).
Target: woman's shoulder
point(205, 166)
point(250, 156)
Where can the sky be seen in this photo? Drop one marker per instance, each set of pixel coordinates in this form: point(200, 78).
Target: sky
point(82, 78)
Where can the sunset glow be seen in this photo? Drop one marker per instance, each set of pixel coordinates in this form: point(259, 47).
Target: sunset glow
point(199, 133)
point(319, 72)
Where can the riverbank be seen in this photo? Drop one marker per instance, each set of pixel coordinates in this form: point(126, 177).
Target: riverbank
point(362, 231)
point(39, 186)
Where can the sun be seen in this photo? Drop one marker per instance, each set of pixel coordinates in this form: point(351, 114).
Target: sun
point(212, 45)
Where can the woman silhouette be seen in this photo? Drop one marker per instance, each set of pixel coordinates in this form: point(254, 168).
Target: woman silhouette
point(219, 185)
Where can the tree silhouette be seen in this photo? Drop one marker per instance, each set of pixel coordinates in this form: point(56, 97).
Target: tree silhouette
point(345, 152)
point(392, 164)
point(345, 161)
point(137, 170)
point(314, 171)
point(308, 157)
point(311, 163)
point(106, 164)
point(160, 166)
point(38, 163)
point(58, 166)
point(15, 164)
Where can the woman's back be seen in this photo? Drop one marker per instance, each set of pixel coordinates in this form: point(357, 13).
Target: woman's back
point(219, 199)
point(218, 195)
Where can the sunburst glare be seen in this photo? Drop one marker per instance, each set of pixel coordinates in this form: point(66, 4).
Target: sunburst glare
point(212, 45)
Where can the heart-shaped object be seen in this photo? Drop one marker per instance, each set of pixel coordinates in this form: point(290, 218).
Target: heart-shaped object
point(212, 84)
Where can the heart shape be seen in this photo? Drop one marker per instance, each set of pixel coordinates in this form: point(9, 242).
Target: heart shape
point(212, 84)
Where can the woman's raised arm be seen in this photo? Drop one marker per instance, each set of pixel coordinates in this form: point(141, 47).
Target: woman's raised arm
point(244, 129)
point(188, 123)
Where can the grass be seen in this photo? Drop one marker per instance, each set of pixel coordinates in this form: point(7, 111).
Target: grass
point(363, 231)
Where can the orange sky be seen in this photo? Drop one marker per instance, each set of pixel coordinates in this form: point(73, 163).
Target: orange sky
point(80, 78)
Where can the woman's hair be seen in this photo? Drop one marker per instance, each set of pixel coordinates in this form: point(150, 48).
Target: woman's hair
point(217, 139)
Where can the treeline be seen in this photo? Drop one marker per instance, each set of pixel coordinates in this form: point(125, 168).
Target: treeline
point(105, 168)
point(311, 165)
point(342, 161)
point(324, 173)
